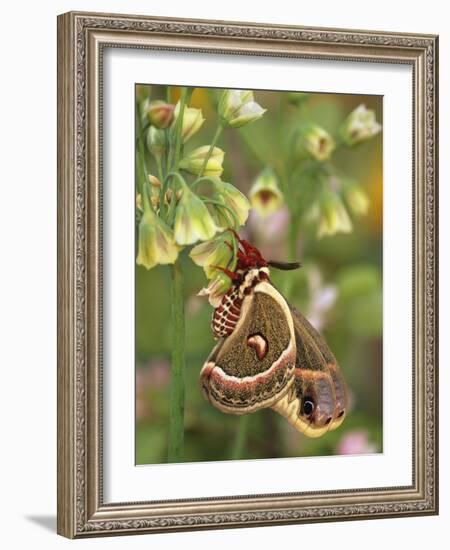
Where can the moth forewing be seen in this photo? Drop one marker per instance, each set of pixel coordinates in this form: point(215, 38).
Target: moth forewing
point(269, 355)
point(254, 366)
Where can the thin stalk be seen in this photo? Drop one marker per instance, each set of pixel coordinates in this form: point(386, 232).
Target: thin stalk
point(176, 413)
point(178, 128)
point(177, 176)
point(292, 251)
point(240, 438)
point(176, 410)
point(292, 237)
point(161, 179)
point(226, 207)
point(203, 178)
point(166, 150)
point(292, 232)
point(140, 169)
point(171, 208)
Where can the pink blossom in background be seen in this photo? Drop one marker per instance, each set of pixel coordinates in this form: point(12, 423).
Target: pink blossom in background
point(355, 443)
point(322, 298)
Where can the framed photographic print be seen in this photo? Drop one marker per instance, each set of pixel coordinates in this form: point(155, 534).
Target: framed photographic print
point(247, 288)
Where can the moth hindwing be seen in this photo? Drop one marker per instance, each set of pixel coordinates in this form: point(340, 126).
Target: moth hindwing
point(317, 401)
point(254, 366)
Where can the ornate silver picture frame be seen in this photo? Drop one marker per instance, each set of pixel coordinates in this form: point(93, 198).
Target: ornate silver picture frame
point(82, 40)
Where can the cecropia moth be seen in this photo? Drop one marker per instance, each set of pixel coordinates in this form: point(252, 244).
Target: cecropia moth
point(269, 355)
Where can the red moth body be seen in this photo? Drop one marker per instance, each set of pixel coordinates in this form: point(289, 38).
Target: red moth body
point(250, 270)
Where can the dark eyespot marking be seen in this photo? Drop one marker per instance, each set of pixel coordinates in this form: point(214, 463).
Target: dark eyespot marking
point(308, 407)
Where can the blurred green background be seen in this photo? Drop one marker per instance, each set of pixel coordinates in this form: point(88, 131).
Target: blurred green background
point(339, 289)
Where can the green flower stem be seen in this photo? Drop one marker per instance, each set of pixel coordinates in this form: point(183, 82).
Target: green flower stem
point(209, 179)
point(170, 216)
point(177, 176)
point(222, 205)
point(292, 237)
point(219, 130)
point(161, 179)
point(167, 150)
point(176, 413)
point(146, 193)
point(240, 438)
point(287, 185)
point(140, 158)
point(179, 127)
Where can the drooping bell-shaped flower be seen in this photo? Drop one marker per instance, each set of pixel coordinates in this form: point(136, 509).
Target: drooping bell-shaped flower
point(316, 142)
point(216, 289)
point(355, 197)
point(156, 239)
point(193, 221)
point(215, 253)
point(238, 107)
point(193, 162)
point(359, 126)
point(265, 195)
point(192, 121)
point(334, 217)
point(237, 206)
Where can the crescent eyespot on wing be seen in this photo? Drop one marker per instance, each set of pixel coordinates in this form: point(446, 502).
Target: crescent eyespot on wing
point(253, 367)
point(317, 401)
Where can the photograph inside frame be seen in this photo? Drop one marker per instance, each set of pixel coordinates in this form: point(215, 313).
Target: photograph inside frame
point(258, 280)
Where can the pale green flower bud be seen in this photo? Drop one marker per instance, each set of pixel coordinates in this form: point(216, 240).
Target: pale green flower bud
point(156, 141)
point(297, 98)
point(216, 289)
point(155, 187)
point(193, 222)
point(168, 196)
point(233, 199)
point(154, 181)
point(192, 121)
point(356, 198)
point(359, 126)
point(265, 195)
point(160, 113)
point(333, 215)
point(316, 142)
point(217, 252)
point(238, 107)
point(156, 240)
point(193, 163)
